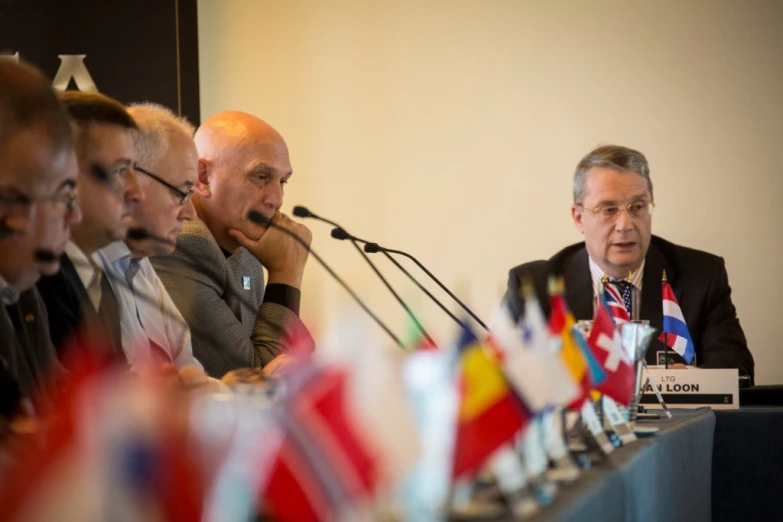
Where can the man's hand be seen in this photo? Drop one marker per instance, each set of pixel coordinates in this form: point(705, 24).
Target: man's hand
point(282, 256)
point(190, 379)
point(677, 366)
point(279, 365)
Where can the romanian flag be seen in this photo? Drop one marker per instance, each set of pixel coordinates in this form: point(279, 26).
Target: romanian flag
point(585, 371)
point(489, 413)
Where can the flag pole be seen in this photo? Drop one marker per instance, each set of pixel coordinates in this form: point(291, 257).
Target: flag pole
point(665, 335)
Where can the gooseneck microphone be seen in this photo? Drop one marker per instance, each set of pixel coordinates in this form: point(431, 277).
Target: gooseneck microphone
point(304, 212)
point(142, 234)
point(372, 248)
point(261, 220)
point(339, 233)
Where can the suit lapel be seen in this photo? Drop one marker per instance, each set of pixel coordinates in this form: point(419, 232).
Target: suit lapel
point(579, 286)
point(72, 277)
point(652, 301)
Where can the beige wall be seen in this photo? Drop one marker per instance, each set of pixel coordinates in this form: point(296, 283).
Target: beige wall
point(451, 128)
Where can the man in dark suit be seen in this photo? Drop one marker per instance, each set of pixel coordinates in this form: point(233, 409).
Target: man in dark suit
point(81, 306)
point(613, 204)
point(37, 208)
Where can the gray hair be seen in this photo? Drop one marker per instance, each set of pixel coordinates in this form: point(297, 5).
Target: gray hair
point(156, 125)
point(614, 157)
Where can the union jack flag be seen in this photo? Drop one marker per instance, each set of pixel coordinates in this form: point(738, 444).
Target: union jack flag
point(616, 307)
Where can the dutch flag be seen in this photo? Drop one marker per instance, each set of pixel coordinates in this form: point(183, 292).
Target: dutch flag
point(675, 331)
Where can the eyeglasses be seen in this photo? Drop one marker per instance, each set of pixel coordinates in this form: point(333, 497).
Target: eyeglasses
point(112, 176)
point(182, 196)
point(66, 200)
point(609, 213)
point(69, 200)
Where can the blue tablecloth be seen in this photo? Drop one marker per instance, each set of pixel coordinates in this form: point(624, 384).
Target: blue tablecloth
point(747, 465)
point(666, 477)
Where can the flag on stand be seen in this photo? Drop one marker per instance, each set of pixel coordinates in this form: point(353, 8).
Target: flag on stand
point(615, 303)
point(607, 348)
point(489, 413)
point(585, 371)
point(675, 331)
point(323, 469)
point(535, 336)
point(116, 446)
point(525, 355)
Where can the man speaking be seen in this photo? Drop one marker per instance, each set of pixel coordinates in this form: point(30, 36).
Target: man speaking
point(613, 206)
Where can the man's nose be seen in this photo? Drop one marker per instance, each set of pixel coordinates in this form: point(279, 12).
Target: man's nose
point(273, 196)
point(624, 222)
point(133, 190)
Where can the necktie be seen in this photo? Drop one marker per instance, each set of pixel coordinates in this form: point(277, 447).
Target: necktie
point(110, 315)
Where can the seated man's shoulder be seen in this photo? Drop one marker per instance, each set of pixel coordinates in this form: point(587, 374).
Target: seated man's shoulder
point(543, 268)
point(197, 255)
point(686, 259)
point(196, 235)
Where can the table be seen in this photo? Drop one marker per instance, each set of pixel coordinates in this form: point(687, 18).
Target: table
point(666, 477)
point(747, 464)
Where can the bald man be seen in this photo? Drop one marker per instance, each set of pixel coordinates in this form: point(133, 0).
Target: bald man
point(215, 275)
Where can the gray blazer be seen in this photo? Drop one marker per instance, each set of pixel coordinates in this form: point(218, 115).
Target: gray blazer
point(221, 299)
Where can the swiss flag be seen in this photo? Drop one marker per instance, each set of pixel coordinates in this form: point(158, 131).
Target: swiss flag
point(605, 343)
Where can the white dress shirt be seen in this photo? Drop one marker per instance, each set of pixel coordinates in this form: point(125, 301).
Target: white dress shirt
point(636, 280)
point(7, 294)
point(88, 271)
point(148, 317)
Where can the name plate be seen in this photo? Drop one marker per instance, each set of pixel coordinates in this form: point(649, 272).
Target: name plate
point(694, 388)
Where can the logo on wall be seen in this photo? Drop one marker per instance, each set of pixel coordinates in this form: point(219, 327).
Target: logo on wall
point(131, 50)
point(72, 67)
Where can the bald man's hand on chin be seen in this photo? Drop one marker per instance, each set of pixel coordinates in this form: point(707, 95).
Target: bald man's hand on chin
point(282, 256)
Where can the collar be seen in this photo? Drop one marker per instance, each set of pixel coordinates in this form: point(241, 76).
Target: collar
point(86, 268)
point(597, 274)
point(7, 294)
point(117, 251)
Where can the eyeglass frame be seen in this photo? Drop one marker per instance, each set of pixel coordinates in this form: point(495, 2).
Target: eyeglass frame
point(650, 205)
point(15, 197)
point(184, 196)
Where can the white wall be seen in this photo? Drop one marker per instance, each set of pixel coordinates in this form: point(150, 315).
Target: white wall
point(451, 129)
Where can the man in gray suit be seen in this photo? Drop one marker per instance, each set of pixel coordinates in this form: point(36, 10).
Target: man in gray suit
point(215, 275)
point(37, 207)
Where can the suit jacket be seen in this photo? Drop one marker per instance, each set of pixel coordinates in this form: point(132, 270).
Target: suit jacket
point(699, 281)
point(73, 321)
point(28, 362)
point(221, 299)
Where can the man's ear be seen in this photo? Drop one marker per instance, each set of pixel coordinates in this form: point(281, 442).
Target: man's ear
point(577, 213)
point(204, 177)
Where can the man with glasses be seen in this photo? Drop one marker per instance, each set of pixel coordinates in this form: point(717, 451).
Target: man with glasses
point(216, 274)
point(153, 330)
point(81, 305)
point(37, 208)
point(613, 206)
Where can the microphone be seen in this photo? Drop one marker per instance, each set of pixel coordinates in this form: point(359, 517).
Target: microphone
point(340, 233)
point(43, 255)
point(261, 220)
point(142, 234)
point(372, 248)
